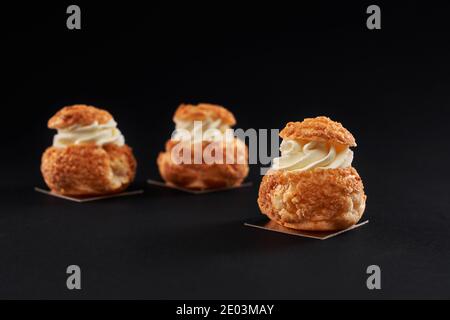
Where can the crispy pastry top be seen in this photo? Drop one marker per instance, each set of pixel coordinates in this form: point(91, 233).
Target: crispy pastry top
point(204, 111)
point(321, 129)
point(78, 114)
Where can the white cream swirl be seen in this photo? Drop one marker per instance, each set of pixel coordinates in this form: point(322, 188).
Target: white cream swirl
point(302, 157)
point(200, 130)
point(99, 134)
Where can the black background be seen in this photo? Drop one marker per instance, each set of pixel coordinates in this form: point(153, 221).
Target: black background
point(269, 64)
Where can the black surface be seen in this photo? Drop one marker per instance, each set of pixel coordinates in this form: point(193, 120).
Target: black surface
point(269, 65)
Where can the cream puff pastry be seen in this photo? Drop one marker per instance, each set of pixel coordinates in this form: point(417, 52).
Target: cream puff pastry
point(203, 153)
point(89, 155)
point(312, 185)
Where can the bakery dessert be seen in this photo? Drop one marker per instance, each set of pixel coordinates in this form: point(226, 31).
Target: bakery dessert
point(203, 152)
point(313, 185)
point(89, 155)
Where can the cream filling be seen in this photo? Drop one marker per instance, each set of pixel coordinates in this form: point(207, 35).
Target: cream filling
point(99, 134)
point(301, 157)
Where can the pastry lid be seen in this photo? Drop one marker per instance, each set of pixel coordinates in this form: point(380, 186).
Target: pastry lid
point(203, 111)
point(321, 129)
point(78, 114)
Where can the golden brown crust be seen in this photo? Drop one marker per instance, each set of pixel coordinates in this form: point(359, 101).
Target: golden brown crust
point(316, 200)
point(321, 129)
point(204, 175)
point(78, 114)
point(85, 170)
point(204, 111)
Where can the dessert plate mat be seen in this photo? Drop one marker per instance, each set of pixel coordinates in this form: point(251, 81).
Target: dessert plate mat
point(162, 184)
point(87, 199)
point(269, 225)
